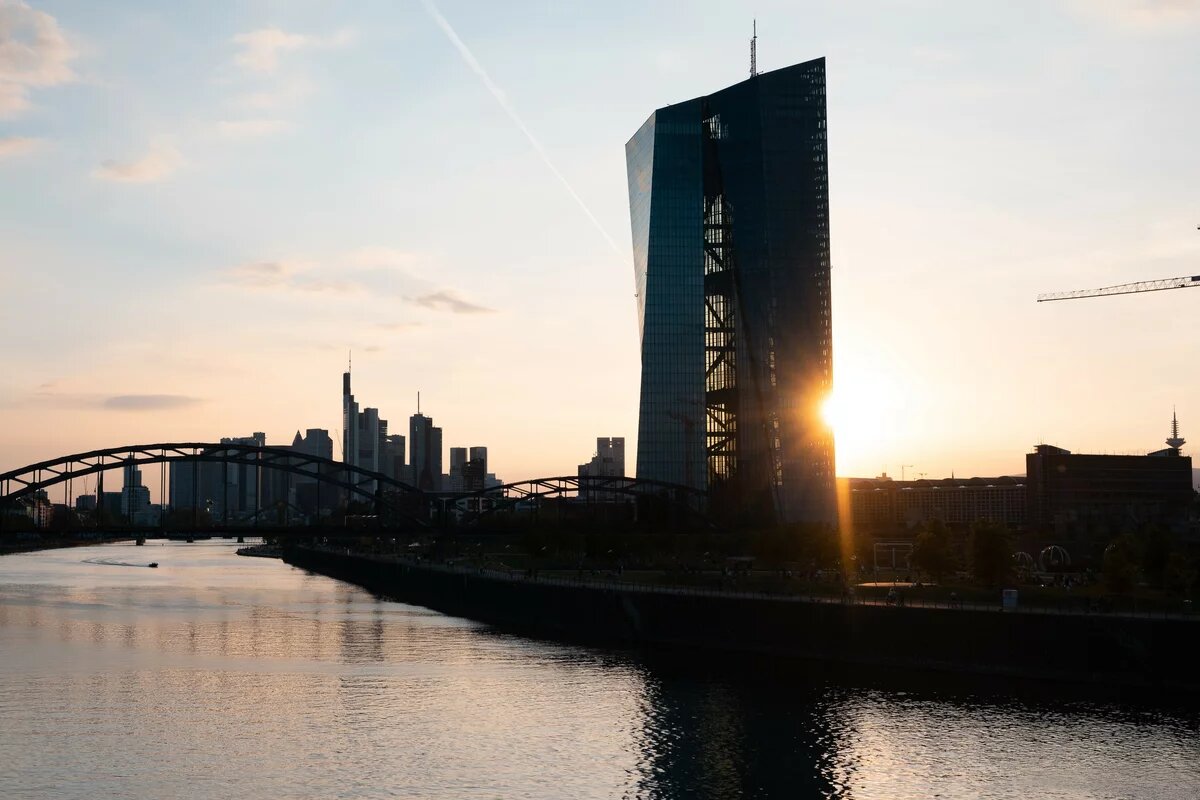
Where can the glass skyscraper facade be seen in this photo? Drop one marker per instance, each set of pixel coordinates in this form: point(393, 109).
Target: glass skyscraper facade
point(729, 204)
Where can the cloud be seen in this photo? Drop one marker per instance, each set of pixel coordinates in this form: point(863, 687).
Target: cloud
point(149, 402)
point(33, 53)
point(260, 49)
point(275, 275)
point(1145, 15)
point(47, 395)
point(18, 146)
point(158, 163)
point(447, 300)
point(251, 128)
point(399, 327)
point(368, 270)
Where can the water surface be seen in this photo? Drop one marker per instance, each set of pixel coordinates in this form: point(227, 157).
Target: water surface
point(216, 676)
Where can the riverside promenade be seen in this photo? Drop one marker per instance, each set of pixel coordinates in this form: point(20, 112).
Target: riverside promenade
point(1115, 649)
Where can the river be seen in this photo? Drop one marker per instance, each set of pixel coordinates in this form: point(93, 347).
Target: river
point(218, 676)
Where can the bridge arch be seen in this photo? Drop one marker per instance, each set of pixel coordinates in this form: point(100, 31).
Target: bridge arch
point(368, 485)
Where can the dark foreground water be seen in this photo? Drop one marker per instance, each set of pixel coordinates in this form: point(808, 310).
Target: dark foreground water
point(216, 676)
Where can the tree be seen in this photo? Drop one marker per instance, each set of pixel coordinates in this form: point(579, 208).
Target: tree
point(933, 552)
point(990, 552)
point(1120, 564)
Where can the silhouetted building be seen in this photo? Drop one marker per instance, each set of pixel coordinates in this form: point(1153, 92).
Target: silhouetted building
point(885, 506)
point(349, 423)
point(1095, 496)
point(303, 494)
point(394, 454)
point(135, 498)
point(425, 444)
point(608, 461)
point(729, 205)
point(458, 459)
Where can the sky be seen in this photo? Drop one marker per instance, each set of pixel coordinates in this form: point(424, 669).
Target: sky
point(206, 206)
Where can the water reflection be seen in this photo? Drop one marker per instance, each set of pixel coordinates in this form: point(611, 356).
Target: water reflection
point(218, 676)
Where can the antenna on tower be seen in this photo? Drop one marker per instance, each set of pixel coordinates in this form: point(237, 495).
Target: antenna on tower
point(754, 51)
point(418, 402)
point(1176, 441)
point(349, 361)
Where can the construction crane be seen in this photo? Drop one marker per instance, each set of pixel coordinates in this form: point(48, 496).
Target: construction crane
point(1124, 288)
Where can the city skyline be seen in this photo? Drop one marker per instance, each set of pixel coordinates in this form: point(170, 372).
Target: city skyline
point(234, 187)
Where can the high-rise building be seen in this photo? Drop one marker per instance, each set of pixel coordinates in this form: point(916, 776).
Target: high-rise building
point(729, 206)
point(458, 459)
point(394, 465)
point(302, 493)
point(425, 444)
point(349, 423)
point(135, 498)
point(608, 462)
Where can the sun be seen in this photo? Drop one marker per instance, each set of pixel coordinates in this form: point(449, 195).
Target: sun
point(864, 409)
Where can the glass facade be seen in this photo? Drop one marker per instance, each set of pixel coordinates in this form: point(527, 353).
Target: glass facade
point(728, 199)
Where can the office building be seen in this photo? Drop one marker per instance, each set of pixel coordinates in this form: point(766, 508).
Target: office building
point(135, 497)
point(608, 461)
point(425, 445)
point(729, 206)
point(882, 506)
point(1089, 496)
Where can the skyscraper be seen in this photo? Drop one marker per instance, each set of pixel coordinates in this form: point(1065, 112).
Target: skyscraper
point(729, 206)
point(349, 423)
point(425, 445)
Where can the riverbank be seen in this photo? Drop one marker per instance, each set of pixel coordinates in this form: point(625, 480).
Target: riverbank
point(35, 545)
point(1114, 650)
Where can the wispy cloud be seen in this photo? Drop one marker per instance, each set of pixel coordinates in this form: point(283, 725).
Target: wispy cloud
point(399, 327)
point(18, 146)
point(378, 271)
point(149, 402)
point(251, 128)
point(261, 49)
point(157, 164)
point(34, 53)
point(447, 300)
point(276, 275)
point(49, 395)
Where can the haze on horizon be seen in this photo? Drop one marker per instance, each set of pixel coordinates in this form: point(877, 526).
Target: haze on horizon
point(205, 206)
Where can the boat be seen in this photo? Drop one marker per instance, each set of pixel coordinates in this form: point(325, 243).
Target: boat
point(152, 564)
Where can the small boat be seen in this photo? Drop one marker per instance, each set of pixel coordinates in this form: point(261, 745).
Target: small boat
point(152, 564)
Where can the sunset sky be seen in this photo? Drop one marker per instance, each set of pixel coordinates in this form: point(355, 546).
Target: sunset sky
point(205, 205)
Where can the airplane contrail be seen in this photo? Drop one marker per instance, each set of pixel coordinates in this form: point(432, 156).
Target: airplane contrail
point(502, 99)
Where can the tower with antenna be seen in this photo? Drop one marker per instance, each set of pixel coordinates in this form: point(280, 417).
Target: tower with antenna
point(754, 50)
point(1175, 441)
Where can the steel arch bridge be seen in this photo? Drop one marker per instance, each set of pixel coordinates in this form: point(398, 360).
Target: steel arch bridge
point(386, 493)
point(367, 485)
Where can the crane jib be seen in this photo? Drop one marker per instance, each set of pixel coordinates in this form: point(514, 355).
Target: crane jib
point(1184, 282)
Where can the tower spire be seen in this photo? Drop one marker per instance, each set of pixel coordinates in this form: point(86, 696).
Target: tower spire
point(754, 50)
point(1176, 441)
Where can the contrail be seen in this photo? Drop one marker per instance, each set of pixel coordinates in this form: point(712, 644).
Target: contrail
point(502, 99)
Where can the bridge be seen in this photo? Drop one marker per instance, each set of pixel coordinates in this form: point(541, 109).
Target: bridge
point(394, 503)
